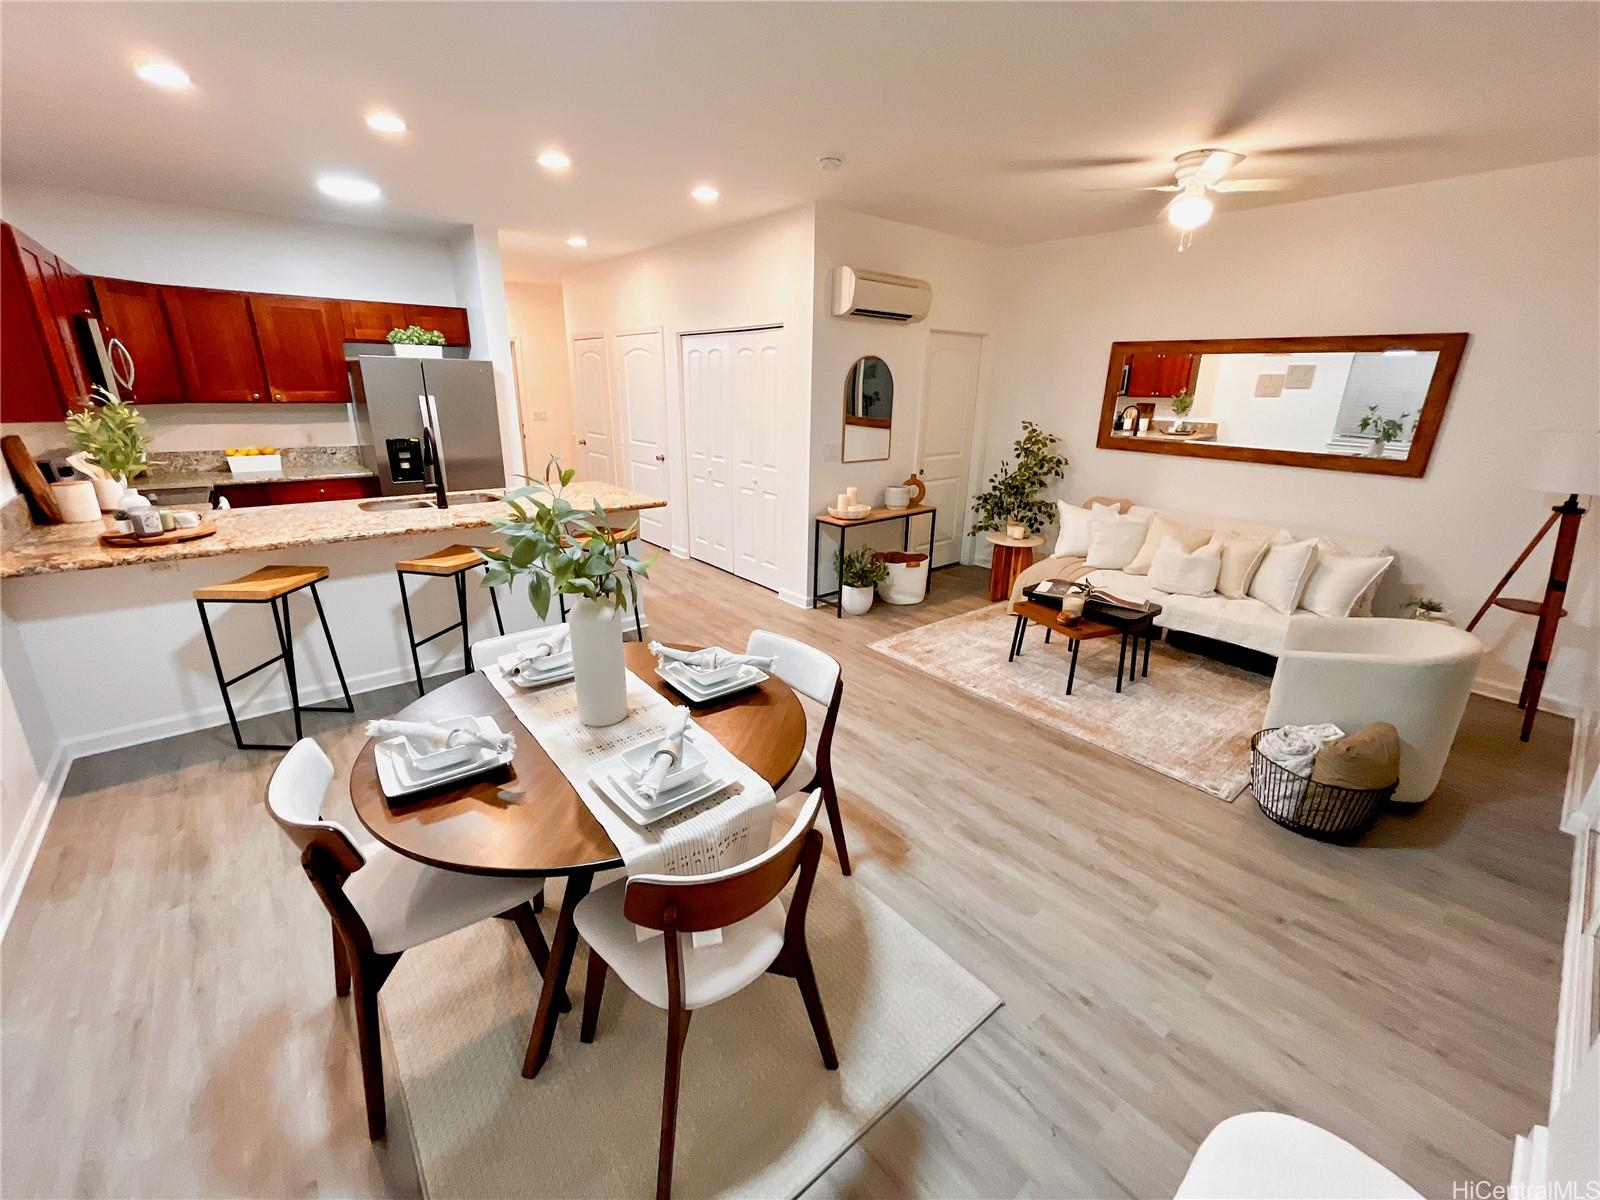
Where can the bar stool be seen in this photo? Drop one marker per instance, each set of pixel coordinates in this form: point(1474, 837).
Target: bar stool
point(271, 586)
point(453, 562)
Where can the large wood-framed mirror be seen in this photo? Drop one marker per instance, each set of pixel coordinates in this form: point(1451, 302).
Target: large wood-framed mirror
point(1368, 403)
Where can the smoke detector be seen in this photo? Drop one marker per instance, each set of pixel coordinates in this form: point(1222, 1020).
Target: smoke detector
point(830, 162)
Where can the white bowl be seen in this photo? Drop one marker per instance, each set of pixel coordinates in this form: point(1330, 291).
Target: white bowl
point(690, 763)
point(425, 757)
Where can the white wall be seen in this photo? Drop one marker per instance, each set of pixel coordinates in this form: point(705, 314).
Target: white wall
point(1510, 257)
point(481, 289)
point(755, 273)
point(539, 324)
point(965, 276)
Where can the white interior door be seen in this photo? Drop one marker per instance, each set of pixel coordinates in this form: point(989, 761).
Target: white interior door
point(644, 403)
point(706, 436)
point(591, 404)
point(945, 454)
point(755, 403)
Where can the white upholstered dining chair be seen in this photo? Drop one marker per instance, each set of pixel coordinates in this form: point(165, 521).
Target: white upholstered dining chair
point(814, 674)
point(758, 937)
point(381, 902)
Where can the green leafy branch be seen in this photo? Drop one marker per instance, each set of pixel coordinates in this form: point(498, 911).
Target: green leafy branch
point(1015, 492)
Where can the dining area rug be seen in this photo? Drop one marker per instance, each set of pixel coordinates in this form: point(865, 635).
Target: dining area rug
point(1191, 718)
point(758, 1114)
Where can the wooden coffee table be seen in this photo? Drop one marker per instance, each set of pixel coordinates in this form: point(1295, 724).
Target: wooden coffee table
point(1085, 629)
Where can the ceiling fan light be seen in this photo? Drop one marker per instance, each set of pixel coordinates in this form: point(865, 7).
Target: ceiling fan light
point(1190, 210)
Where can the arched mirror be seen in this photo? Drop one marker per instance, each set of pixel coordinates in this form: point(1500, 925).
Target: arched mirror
point(868, 410)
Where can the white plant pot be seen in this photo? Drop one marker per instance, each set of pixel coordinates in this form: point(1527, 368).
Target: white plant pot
point(1016, 532)
point(109, 492)
point(1376, 449)
point(602, 680)
point(404, 350)
point(856, 600)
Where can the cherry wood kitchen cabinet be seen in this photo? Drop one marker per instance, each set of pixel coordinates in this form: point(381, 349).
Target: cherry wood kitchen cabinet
point(295, 491)
point(302, 347)
point(1156, 376)
point(370, 320)
point(214, 343)
point(452, 322)
point(42, 374)
point(134, 314)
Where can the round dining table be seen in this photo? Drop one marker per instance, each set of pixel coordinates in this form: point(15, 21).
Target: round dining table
point(526, 818)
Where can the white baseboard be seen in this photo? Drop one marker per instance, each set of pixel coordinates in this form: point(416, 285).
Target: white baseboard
point(1511, 693)
point(798, 599)
point(19, 862)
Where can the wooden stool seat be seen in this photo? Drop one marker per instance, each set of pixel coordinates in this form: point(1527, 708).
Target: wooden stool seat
point(452, 560)
point(266, 584)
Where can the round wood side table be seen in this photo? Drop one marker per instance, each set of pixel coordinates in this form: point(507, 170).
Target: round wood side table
point(1012, 556)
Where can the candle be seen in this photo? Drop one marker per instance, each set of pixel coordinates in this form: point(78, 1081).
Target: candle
point(843, 501)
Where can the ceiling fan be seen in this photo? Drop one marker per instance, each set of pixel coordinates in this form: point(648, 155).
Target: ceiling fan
point(1198, 173)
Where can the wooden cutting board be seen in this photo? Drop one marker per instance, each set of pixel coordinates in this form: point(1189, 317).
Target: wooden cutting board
point(204, 529)
point(30, 481)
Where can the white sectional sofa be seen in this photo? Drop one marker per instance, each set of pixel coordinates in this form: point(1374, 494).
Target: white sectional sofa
point(1244, 622)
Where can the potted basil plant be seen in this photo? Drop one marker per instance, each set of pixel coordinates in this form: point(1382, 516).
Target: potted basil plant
point(112, 437)
point(416, 342)
point(560, 548)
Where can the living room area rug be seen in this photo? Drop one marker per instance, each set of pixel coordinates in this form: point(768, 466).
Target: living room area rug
point(758, 1114)
point(1192, 718)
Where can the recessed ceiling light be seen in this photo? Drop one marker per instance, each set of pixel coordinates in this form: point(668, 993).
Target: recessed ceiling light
point(553, 160)
point(386, 122)
point(164, 74)
point(349, 189)
point(705, 193)
point(577, 241)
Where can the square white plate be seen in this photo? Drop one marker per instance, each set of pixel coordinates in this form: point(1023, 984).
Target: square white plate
point(615, 789)
point(683, 680)
point(398, 776)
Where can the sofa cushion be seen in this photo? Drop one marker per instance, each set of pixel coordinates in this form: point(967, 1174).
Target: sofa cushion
point(1188, 572)
point(1114, 538)
point(1241, 556)
point(1163, 527)
point(1338, 581)
point(1072, 538)
point(1281, 578)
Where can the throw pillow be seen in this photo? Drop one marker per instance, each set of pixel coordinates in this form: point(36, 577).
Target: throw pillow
point(1282, 575)
point(1367, 758)
point(1114, 539)
point(1073, 539)
point(1338, 581)
point(1183, 572)
point(1241, 556)
point(1160, 529)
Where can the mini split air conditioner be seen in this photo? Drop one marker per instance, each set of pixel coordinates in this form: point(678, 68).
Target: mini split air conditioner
point(879, 296)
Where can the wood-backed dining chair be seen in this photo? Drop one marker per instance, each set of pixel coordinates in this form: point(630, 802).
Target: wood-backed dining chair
point(811, 673)
point(381, 902)
point(758, 937)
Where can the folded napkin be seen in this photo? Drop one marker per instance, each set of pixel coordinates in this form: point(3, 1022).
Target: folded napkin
point(1295, 747)
point(710, 658)
point(442, 735)
point(557, 641)
point(669, 752)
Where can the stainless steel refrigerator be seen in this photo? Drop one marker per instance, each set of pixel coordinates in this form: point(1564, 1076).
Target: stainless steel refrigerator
point(429, 422)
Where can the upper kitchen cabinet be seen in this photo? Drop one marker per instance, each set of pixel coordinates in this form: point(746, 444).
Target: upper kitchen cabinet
point(370, 320)
point(452, 322)
point(302, 347)
point(214, 342)
point(41, 370)
point(139, 341)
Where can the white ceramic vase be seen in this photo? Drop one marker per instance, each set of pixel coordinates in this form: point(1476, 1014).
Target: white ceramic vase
point(406, 350)
point(856, 600)
point(1377, 448)
point(1016, 531)
point(109, 492)
point(596, 633)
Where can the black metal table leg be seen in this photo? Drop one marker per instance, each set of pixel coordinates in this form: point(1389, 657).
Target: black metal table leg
point(1072, 667)
point(1122, 654)
point(838, 602)
point(1017, 630)
point(1047, 632)
point(1149, 636)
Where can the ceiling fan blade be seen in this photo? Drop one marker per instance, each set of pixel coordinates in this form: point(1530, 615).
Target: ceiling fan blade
point(1165, 187)
point(1254, 185)
point(1217, 164)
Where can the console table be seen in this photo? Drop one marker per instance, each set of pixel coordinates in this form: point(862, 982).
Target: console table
point(876, 517)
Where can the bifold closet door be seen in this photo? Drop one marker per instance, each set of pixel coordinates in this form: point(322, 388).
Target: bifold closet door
point(732, 407)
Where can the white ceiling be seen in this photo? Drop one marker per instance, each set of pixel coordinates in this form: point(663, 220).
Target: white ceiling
point(1001, 122)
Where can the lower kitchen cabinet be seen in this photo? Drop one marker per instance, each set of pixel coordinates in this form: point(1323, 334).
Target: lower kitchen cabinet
point(295, 491)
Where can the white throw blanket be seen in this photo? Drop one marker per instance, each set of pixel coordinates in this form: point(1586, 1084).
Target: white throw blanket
point(711, 658)
point(1295, 747)
point(441, 735)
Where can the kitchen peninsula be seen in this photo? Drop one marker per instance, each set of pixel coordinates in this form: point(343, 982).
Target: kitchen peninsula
point(103, 647)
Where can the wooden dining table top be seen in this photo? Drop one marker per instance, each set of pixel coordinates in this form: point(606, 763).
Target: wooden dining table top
point(526, 818)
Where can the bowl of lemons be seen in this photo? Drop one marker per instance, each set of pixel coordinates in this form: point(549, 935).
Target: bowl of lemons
point(253, 460)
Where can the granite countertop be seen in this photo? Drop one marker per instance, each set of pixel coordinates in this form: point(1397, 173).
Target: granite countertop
point(53, 549)
point(194, 479)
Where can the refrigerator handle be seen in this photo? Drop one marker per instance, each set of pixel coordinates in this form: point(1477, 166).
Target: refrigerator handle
point(438, 443)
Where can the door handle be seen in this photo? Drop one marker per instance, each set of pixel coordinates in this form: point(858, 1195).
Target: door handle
point(661, 458)
point(111, 350)
point(583, 441)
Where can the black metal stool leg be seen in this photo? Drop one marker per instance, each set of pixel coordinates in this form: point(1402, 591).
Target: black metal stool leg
point(349, 704)
point(222, 683)
point(286, 638)
point(466, 633)
point(494, 599)
point(411, 633)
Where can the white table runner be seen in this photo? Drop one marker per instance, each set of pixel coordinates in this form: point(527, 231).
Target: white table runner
point(723, 830)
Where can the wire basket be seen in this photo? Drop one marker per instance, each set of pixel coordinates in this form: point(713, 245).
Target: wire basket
point(1298, 802)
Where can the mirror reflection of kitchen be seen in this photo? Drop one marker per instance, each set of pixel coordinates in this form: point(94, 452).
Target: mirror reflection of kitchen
point(868, 410)
point(1357, 403)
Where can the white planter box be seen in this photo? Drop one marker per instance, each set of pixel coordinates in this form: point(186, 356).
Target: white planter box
point(402, 350)
point(255, 464)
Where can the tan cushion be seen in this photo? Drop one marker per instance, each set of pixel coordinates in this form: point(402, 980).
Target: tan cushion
point(1164, 527)
point(1067, 567)
point(1241, 555)
point(1367, 758)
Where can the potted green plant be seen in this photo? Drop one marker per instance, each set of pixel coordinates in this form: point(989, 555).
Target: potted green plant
point(1426, 608)
point(1381, 429)
point(1182, 404)
point(575, 552)
point(860, 572)
point(112, 437)
point(1013, 501)
point(416, 342)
